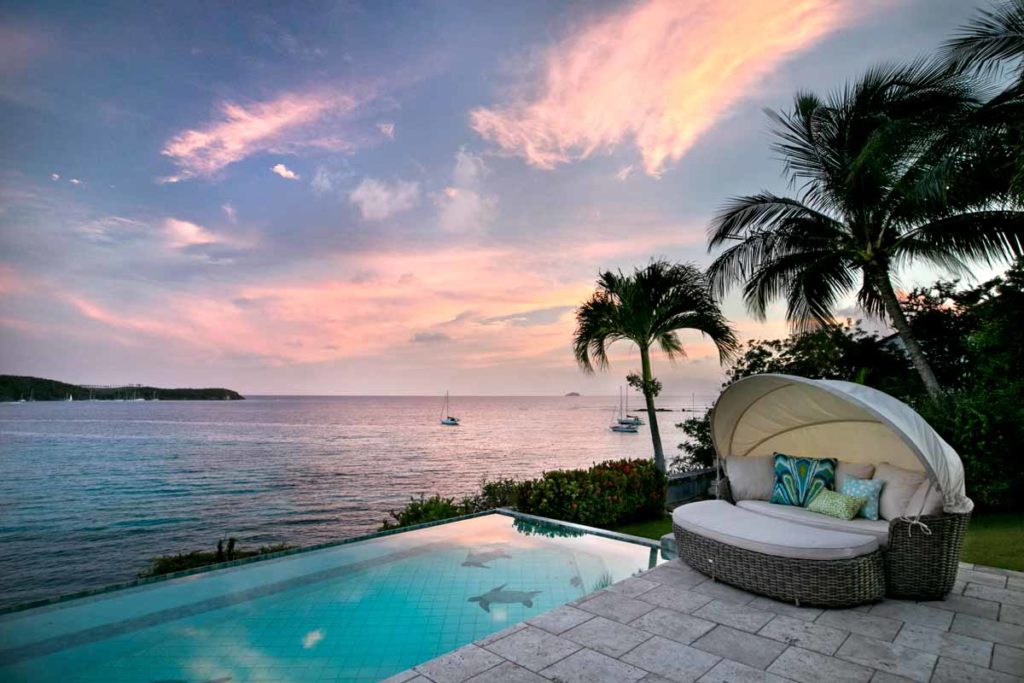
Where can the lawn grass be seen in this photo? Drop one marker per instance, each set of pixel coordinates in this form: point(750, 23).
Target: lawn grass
point(995, 539)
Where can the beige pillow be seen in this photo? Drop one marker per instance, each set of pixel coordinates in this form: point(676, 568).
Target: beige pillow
point(927, 495)
point(857, 470)
point(751, 477)
point(900, 487)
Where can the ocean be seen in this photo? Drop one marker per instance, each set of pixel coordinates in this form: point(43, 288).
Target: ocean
point(90, 491)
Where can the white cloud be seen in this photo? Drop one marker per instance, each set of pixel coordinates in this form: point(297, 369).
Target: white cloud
point(310, 640)
point(75, 181)
point(230, 212)
point(378, 199)
point(387, 129)
point(55, 176)
point(624, 172)
point(285, 172)
point(465, 206)
point(182, 234)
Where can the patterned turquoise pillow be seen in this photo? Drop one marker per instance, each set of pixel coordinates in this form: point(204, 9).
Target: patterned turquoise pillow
point(869, 489)
point(799, 480)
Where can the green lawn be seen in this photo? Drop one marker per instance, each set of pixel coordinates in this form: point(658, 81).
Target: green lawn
point(995, 539)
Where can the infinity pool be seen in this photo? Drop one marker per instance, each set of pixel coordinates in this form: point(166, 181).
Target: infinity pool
point(357, 611)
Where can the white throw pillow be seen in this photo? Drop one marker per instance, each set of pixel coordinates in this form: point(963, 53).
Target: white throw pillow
point(751, 477)
point(900, 487)
point(929, 496)
point(857, 470)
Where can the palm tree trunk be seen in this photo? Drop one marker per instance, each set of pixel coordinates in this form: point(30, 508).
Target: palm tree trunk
point(652, 415)
point(899, 321)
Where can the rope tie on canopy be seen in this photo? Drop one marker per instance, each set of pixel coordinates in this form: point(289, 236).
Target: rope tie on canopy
point(916, 519)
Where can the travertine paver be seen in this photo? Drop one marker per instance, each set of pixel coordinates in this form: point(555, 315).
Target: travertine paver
point(945, 643)
point(885, 656)
point(673, 598)
point(952, 671)
point(606, 636)
point(677, 626)
point(559, 620)
point(811, 667)
point(727, 671)
point(673, 625)
point(668, 658)
point(616, 607)
point(1008, 660)
point(740, 646)
point(459, 665)
point(588, 666)
point(914, 613)
point(738, 616)
point(533, 648)
point(817, 637)
point(865, 624)
point(507, 672)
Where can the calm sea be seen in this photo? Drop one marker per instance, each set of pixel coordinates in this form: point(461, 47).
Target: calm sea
point(90, 490)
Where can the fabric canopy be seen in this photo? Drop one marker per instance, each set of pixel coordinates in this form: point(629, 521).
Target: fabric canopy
point(764, 414)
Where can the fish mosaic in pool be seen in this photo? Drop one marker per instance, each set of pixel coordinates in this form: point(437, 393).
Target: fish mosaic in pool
point(354, 612)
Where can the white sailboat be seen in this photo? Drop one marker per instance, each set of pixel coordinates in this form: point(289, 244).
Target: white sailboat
point(447, 419)
point(629, 419)
point(620, 426)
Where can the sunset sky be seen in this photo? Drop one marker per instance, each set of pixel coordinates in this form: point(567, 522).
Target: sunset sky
point(386, 197)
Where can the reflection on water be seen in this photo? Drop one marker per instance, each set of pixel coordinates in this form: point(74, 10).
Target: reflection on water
point(91, 490)
point(356, 612)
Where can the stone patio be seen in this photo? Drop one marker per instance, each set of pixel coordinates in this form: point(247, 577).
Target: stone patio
point(674, 624)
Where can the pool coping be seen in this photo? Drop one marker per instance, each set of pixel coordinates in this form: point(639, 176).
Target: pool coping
point(135, 583)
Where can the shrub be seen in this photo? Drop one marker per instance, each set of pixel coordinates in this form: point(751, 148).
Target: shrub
point(166, 564)
point(608, 493)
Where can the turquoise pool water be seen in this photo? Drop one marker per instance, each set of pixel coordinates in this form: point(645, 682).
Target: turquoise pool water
point(354, 612)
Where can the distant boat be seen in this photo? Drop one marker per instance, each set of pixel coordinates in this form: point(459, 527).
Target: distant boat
point(69, 398)
point(447, 419)
point(620, 426)
point(629, 419)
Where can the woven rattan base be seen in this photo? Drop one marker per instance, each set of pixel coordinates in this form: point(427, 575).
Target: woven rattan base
point(818, 583)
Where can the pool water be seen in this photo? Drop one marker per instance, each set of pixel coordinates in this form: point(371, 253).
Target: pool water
point(352, 612)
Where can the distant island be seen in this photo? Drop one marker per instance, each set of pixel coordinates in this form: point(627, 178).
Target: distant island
point(573, 393)
point(14, 388)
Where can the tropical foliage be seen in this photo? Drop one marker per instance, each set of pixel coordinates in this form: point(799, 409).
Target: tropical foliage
point(882, 185)
point(648, 308)
point(609, 493)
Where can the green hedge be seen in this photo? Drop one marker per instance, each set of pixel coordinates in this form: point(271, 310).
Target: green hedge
point(613, 492)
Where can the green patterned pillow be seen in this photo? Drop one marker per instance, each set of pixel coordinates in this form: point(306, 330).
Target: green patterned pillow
point(836, 504)
point(799, 480)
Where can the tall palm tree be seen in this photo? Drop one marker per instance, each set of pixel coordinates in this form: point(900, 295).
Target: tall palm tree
point(647, 308)
point(986, 45)
point(874, 166)
point(990, 39)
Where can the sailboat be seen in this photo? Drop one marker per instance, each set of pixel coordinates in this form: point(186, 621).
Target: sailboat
point(620, 426)
point(629, 419)
point(447, 419)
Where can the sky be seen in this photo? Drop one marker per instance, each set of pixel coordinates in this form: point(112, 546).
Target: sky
point(388, 197)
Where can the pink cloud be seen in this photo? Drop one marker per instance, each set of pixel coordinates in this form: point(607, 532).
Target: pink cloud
point(656, 74)
point(283, 124)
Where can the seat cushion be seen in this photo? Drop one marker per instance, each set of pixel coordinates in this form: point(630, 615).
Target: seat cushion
point(750, 477)
point(799, 480)
point(742, 528)
point(877, 529)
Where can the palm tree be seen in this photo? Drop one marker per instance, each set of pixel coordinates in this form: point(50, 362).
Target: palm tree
point(990, 39)
point(647, 308)
point(874, 166)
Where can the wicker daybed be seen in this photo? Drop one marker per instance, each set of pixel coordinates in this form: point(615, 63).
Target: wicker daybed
point(917, 554)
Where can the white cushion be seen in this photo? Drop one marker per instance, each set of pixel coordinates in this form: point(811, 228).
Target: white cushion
point(927, 500)
point(900, 487)
point(879, 529)
point(857, 470)
point(751, 477)
point(725, 523)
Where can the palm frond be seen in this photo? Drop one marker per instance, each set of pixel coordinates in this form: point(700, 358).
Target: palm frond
point(989, 39)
